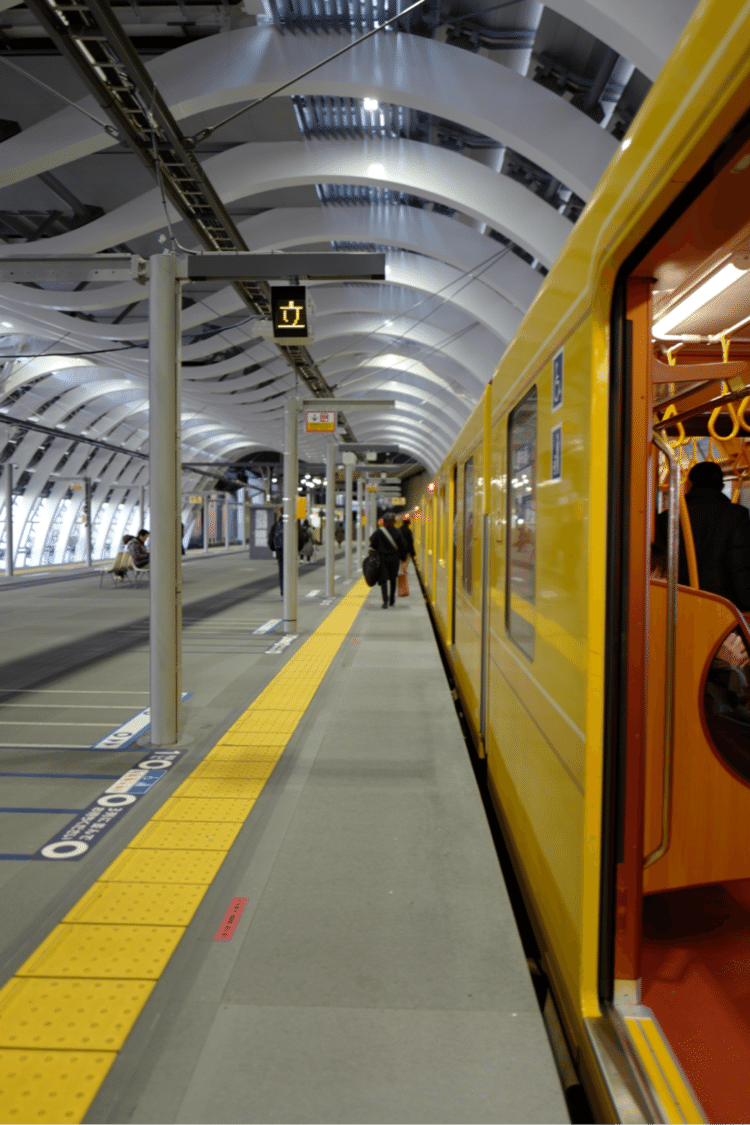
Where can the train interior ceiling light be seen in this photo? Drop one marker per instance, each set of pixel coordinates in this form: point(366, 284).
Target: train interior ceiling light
point(461, 141)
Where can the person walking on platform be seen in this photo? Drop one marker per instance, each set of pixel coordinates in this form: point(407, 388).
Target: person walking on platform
point(276, 544)
point(390, 546)
point(407, 537)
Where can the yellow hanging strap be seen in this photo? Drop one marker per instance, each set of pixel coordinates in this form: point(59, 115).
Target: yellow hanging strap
point(715, 415)
point(741, 467)
point(681, 439)
point(725, 349)
point(694, 456)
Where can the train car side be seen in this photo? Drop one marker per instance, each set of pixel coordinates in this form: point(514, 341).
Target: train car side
point(552, 440)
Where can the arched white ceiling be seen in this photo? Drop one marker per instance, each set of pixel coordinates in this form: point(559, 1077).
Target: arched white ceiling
point(436, 174)
point(430, 335)
point(403, 69)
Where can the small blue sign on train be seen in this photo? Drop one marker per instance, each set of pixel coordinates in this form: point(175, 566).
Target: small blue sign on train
point(556, 453)
point(557, 381)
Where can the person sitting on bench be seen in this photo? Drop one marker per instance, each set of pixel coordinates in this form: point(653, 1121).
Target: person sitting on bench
point(138, 551)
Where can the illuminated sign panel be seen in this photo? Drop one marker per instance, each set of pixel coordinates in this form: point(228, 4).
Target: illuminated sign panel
point(320, 421)
point(289, 311)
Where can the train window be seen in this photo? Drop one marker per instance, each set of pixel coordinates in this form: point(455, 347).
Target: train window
point(521, 567)
point(468, 523)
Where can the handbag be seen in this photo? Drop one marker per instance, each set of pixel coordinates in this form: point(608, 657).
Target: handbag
point(371, 567)
point(403, 583)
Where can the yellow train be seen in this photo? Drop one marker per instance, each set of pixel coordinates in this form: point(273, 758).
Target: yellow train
point(583, 676)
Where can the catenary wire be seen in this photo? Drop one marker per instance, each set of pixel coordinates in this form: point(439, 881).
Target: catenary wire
point(32, 78)
point(206, 133)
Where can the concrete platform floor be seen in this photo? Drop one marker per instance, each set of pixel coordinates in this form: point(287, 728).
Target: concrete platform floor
point(376, 974)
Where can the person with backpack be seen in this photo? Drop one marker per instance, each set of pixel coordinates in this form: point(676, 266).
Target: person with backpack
point(276, 544)
point(392, 550)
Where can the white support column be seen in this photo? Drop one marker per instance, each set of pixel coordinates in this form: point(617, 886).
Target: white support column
point(8, 519)
point(206, 501)
point(372, 514)
point(164, 477)
point(330, 516)
point(87, 516)
point(291, 475)
point(226, 521)
point(348, 477)
point(242, 517)
point(360, 513)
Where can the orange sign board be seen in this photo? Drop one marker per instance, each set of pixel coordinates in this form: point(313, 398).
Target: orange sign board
point(320, 421)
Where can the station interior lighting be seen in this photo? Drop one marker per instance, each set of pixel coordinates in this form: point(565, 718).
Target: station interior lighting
point(371, 104)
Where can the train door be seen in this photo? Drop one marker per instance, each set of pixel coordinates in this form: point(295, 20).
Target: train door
point(679, 647)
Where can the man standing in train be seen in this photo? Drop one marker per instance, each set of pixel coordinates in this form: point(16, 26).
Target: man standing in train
point(721, 534)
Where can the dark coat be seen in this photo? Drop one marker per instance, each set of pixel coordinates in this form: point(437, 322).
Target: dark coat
point(721, 532)
point(271, 532)
point(405, 533)
point(380, 542)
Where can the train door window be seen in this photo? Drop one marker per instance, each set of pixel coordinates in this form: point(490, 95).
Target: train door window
point(521, 565)
point(468, 529)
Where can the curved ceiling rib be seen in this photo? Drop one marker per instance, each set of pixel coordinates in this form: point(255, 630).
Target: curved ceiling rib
point(404, 70)
point(437, 174)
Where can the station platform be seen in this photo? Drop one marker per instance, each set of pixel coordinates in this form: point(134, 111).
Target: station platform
point(300, 919)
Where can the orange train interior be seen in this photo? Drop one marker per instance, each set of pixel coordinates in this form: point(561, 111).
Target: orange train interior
point(686, 857)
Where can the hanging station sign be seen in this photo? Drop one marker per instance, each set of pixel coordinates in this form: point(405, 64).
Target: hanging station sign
point(289, 311)
point(320, 421)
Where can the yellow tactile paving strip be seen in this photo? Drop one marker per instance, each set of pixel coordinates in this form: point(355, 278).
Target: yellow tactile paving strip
point(71, 1005)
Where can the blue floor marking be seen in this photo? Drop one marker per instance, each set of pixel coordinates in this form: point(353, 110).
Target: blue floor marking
point(83, 776)
point(71, 811)
point(75, 749)
point(129, 732)
point(10, 855)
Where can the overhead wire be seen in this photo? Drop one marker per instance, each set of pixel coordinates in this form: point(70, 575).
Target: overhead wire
point(471, 274)
point(206, 334)
point(108, 128)
point(211, 129)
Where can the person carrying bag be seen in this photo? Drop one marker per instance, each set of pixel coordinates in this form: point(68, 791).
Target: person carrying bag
point(387, 542)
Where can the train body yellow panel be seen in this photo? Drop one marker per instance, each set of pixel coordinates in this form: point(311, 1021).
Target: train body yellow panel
point(530, 540)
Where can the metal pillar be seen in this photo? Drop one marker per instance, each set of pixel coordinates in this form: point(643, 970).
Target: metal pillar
point(164, 475)
point(360, 512)
point(8, 519)
point(206, 501)
point(142, 509)
point(348, 478)
point(242, 517)
point(330, 516)
point(372, 513)
point(226, 521)
point(291, 474)
point(87, 514)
